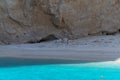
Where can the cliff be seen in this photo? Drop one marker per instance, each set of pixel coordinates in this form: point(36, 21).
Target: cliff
point(27, 21)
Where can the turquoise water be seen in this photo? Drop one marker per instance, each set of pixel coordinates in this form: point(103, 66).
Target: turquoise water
point(37, 70)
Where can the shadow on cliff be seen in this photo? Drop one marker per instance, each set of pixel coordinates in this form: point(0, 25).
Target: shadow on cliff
point(15, 62)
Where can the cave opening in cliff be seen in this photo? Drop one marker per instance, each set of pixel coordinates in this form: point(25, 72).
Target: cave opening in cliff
point(45, 39)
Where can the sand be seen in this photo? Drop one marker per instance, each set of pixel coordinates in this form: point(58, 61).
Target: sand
point(97, 48)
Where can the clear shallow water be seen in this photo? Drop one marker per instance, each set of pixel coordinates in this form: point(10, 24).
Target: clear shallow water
point(72, 71)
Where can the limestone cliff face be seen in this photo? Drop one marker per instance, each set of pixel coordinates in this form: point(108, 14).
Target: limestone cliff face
point(23, 21)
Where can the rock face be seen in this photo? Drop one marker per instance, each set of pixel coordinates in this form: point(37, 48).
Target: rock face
point(23, 21)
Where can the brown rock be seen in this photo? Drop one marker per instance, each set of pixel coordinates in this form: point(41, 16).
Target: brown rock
point(22, 21)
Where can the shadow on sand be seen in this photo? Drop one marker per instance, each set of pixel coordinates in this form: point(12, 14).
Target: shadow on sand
point(15, 62)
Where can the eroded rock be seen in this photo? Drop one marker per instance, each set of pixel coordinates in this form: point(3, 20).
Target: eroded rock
point(22, 21)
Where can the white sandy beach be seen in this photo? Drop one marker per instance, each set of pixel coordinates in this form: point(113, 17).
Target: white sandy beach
point(98, 48)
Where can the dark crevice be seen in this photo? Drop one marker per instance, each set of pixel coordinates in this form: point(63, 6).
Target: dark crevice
point(112, 33)
point(45, 39)
point(105, 33)
point(49, 38)
point(108, 33)
point(119, 30)
point(17, 36)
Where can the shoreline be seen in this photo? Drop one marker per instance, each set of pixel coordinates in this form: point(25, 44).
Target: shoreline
point(97, 48)
point(66, 54)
